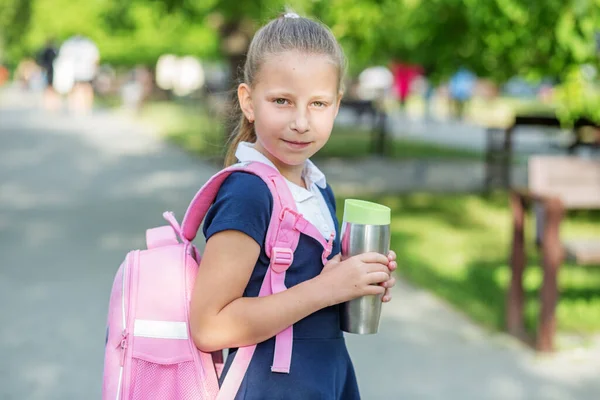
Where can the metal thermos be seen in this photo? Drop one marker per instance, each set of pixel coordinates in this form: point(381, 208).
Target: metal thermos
point(365, 228)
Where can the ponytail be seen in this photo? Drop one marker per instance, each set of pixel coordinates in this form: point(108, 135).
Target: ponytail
point(243, 132)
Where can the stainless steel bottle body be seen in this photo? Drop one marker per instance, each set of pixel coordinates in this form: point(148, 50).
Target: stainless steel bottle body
point(362, 315)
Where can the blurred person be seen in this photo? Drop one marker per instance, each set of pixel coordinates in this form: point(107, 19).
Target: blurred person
point(105, 83)
point(137, 89)
point(404, 75)
point(461, 86)
point(4, 74)
point(288, 100)
point(46, 58)
point(79, 56)
point(374, 83)
point(25, 73)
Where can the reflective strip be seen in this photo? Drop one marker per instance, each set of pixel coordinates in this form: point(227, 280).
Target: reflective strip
point(160, 329)
point(120, 383)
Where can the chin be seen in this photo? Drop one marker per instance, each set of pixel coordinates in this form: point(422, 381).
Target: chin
point(294, 162)
point(293, 159)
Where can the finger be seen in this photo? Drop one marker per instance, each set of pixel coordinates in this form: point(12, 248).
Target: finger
point(387, 296)
point(372, 257)
point(391, 255)
point(390, 283)
point(378, 277)
point(376, 267)
point(392, 265)
point(374, 290)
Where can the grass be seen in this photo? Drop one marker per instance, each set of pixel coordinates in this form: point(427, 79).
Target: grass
point(497, 112)
point(355, 143)
point(199, 132)
point(457, 246)
point(192, 128)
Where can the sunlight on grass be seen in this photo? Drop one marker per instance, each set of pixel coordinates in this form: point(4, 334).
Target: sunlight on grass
point(498, 111)
point(458, 247)
point(348, 142)
point(190, 127)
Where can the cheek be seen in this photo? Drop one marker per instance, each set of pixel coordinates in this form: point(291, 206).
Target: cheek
point(271, 118)
point(324, 122)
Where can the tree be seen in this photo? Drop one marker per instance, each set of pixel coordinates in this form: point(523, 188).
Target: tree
point(496, 38)
point(14, 22)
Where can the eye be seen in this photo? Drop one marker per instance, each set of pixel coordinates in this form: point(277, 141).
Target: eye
point(319, 104)
point(280, 102)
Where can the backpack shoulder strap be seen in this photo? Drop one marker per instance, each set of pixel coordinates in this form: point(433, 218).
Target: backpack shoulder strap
point(281, 241)
point(204, 198)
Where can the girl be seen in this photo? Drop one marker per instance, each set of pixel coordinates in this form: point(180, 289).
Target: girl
point(289, 99)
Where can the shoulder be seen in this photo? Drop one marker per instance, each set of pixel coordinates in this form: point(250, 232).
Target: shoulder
point(243, 203)
point(245, 187)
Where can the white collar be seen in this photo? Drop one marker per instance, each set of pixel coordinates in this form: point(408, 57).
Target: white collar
point(246, 152)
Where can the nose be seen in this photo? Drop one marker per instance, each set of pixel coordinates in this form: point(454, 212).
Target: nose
point(300, 123)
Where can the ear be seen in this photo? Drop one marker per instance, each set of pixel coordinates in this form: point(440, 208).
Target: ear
point(245, 98)
point(339, 101)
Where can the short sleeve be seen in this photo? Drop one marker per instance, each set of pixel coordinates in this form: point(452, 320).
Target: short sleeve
point(244, 203)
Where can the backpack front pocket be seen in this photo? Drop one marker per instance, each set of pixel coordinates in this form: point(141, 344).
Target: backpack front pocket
point(162, 365)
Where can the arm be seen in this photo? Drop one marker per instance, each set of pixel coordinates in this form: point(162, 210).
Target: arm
point(221, 317)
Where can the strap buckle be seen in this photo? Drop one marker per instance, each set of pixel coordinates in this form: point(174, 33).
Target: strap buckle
point(281, 259)
point(295, 213)
point(299, 222)
point(328, 248)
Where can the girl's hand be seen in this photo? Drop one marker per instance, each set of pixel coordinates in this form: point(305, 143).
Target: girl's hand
point(392, 265)
point(354, 277)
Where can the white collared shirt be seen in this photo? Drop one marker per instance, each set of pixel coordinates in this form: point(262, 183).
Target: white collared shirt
point(310, 203)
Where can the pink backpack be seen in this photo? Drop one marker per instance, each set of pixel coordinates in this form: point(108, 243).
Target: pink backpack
point(149, 351)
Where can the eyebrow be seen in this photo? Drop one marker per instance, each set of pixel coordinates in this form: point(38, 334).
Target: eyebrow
point(283, 93)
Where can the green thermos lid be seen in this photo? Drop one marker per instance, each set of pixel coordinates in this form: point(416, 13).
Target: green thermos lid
point(366, 213)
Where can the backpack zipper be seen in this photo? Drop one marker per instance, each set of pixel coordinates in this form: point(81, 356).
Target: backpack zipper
point(124, 333)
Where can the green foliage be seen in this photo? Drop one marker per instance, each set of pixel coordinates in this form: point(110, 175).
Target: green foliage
point(578, 96)
point(14, 23)
point(498, 39)
point(495, 38)
point(127, 32)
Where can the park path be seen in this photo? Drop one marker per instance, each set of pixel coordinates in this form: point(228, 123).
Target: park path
point(76, 193)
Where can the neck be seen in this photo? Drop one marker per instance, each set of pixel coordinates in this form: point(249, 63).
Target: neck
point(292, 173)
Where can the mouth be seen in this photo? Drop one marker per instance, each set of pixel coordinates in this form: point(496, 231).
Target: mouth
point(296, 144)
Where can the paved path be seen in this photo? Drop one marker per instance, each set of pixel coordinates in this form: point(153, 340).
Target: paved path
point(76, 194)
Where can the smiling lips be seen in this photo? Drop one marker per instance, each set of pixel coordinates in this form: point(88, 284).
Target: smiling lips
point(297, 145)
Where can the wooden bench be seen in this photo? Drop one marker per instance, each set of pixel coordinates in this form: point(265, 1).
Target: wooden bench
point(556, 184)
point(499, 145)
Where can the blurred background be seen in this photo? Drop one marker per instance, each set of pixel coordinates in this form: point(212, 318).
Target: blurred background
point(112, 112)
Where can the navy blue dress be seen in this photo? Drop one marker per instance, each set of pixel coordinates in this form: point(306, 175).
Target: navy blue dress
point(321, 367)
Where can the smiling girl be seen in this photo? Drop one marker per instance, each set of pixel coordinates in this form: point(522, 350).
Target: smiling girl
point(289, 98)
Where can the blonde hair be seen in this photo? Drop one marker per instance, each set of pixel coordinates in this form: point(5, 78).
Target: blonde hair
point(289, 32)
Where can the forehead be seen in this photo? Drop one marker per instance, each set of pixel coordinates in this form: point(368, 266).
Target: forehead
point(298, 71)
